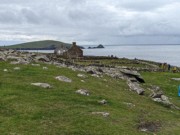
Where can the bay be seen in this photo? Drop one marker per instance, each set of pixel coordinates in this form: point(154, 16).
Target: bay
point(159, 53)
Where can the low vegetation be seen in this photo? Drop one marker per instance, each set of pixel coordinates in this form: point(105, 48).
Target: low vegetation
point(30, 110)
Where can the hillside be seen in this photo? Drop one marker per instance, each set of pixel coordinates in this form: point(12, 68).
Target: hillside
point(26, 109)
point(40, 44)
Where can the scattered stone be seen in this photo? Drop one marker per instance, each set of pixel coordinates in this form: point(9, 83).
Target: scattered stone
point(82, 75)
point(103, 102)
point(176, 79)
point(104, 114)
point(83, 92)
point(43, 85)
point(36, 65)
point(5, 70)
point(129, 104)
point(95, 75)
point(63, 78)
point(17, 68)
point(45, 68)
point(42, 58)
point(82, 81)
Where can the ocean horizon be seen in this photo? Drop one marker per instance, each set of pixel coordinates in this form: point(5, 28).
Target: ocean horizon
point(159, 53)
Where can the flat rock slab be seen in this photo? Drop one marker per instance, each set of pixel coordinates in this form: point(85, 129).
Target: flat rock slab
point(103, 102)
point(104, 114)
point(134, 74)
point(43, 85)
point(83, 92)
point(63, 78)
point(176, 79)
point(17, 68)
point(134, 86)
point(82, 75)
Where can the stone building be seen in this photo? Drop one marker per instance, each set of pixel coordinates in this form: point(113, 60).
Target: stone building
point(73, 52)
point(60, 50)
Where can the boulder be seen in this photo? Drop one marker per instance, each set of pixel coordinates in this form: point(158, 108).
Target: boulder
point(63, 78)
point(134, 86)
point(83, 92)
point(43, 85)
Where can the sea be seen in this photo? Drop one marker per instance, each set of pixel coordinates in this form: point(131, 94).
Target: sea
point(160, 53)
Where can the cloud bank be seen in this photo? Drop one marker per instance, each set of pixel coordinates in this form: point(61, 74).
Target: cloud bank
point(91, 21)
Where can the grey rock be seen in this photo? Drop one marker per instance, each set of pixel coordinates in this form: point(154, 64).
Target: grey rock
point(43, 85)
point(131, 74)
point(104, 114)
point(5, 70)
point(176, 79)
point(134, 86)
point(83, 92)
point(17, 68)
point(36, 65)
point(45, 68)
point(63, 78)
point(95, 75)
point(103, 102)
point(42, 58)
point(82, 75)
point(129, 104)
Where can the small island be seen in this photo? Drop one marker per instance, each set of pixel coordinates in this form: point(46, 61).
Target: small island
point(99, 46)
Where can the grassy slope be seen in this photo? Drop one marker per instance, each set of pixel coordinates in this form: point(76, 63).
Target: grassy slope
point(39, 44)
point(30, 110)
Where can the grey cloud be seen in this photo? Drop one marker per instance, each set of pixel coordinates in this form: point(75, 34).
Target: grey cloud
point(91, 21)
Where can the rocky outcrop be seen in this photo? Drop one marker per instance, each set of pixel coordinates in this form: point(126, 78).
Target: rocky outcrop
point(158, 96)
point(132, 74)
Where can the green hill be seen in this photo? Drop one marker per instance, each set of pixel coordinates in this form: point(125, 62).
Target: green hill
point(40, 44)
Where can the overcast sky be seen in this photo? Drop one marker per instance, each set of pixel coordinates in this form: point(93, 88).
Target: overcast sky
point(90, 21)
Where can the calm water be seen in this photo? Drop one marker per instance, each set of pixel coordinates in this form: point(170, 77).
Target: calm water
point(159, 53)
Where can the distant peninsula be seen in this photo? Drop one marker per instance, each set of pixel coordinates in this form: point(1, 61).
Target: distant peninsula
point(40, 45)
point(99, 46)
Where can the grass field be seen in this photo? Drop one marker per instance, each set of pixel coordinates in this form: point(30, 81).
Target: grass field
point(31, 110)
